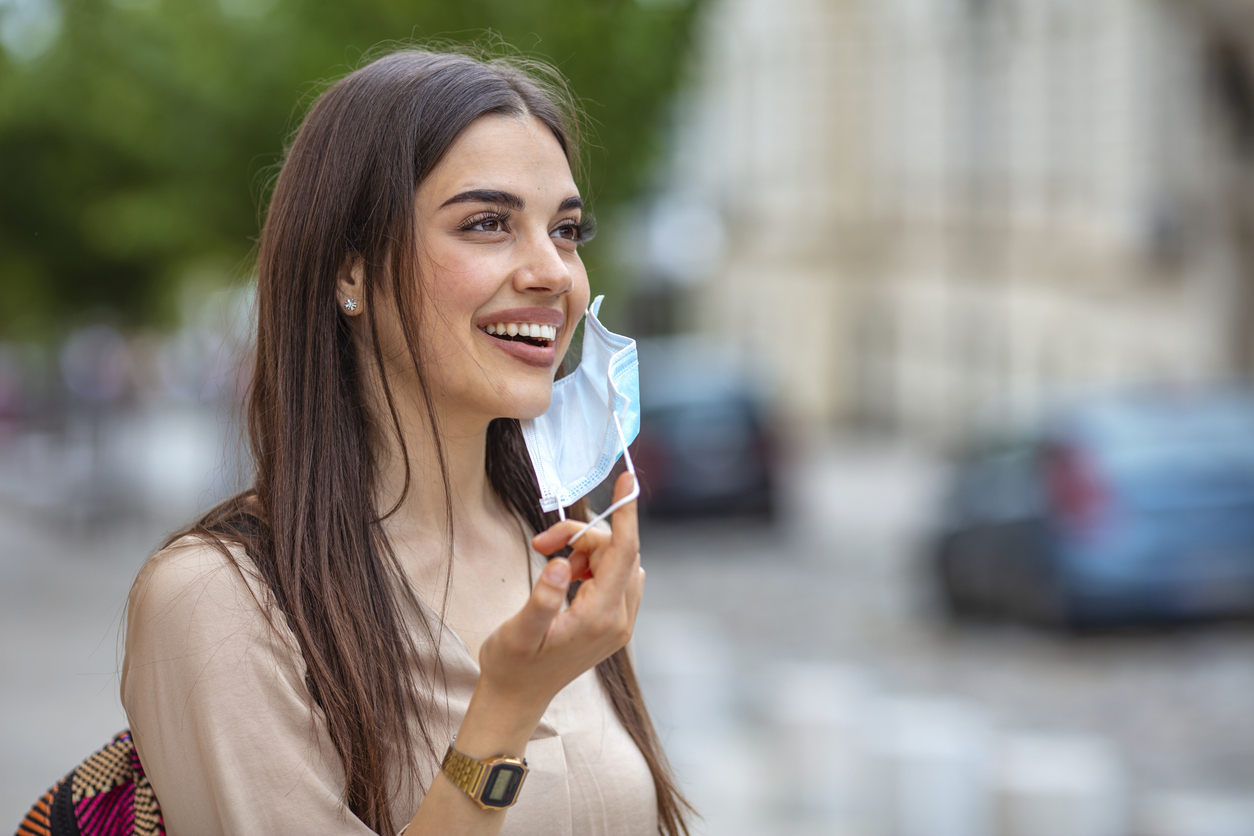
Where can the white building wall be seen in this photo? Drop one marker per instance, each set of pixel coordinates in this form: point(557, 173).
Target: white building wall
point(936, 220)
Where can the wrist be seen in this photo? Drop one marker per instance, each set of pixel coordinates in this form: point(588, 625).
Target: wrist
point(496, 724)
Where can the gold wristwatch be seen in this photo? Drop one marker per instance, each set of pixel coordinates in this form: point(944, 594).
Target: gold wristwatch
point(493, 784)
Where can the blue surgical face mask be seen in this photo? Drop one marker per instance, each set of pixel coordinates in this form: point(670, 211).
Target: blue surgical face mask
point(594, 415)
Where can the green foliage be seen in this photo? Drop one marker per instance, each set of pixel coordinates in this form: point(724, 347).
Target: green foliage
point(134, 152)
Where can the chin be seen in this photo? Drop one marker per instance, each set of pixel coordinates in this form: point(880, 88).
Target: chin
point(527, 414)
point(526, 405)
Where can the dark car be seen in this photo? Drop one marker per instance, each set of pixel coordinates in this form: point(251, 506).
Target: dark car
point(705, 444)
point(1126, 507)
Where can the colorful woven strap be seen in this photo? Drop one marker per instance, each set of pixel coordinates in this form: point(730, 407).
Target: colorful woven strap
point(106, 795)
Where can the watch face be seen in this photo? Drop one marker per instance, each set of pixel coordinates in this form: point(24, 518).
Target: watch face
point(502, 785)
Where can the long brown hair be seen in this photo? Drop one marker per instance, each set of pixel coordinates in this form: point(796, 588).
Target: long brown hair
point(310, 522)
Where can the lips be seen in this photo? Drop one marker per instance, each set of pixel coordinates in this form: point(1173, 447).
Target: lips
point(527, 334)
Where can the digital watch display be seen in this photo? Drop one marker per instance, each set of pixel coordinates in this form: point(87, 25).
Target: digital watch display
point(493, 784)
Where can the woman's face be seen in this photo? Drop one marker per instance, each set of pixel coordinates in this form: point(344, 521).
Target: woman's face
point(498, 222)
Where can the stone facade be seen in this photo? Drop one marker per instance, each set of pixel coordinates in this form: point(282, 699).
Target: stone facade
point(939, 216)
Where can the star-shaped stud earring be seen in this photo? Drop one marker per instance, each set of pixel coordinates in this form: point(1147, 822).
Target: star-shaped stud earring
point(350, 304)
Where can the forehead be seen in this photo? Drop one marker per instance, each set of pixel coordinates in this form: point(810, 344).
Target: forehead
point(516, 153)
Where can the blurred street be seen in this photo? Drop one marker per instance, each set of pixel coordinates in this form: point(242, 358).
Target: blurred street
point(841, 587)
point(780, 661)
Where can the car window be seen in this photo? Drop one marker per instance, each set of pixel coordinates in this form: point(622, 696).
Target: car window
point(1001, 487)
point(1171, 434)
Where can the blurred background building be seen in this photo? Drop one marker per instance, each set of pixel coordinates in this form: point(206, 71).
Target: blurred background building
point(933, 217)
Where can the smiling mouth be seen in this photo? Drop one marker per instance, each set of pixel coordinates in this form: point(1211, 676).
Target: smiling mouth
point(523, 332)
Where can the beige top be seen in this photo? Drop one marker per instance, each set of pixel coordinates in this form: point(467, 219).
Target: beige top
point(223, 722)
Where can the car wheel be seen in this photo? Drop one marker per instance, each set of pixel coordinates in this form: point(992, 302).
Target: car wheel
point(1049, 600)
point(958, 599)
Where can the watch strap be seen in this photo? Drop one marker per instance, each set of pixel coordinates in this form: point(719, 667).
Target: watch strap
point(466, 773)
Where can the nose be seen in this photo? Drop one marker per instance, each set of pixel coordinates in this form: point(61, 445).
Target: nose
point(541, 268)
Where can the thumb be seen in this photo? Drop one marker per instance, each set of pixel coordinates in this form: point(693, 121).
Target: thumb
point(545, 602)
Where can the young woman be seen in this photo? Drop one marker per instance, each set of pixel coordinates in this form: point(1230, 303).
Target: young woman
point(370, 638)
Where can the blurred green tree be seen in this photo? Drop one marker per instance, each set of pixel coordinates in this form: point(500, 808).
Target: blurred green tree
point(137, 136)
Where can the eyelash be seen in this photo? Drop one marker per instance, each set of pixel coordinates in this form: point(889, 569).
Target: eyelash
point(585, 229)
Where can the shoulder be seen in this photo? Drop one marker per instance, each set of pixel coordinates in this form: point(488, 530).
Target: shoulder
point(198, 585)
point(191, 565)
point(200, 622)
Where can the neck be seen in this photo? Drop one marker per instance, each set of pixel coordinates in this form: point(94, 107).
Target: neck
point(421, 514)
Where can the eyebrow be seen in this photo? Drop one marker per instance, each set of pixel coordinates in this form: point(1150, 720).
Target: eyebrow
point(504, 198)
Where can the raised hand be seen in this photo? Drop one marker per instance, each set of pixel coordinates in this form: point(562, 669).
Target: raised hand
point(545, 646)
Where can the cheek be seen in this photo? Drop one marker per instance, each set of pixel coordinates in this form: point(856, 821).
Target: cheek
point(580, 292)
point(460, 285)
point(454, 292)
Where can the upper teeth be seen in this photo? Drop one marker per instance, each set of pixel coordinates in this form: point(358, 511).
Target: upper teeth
point(523, 329)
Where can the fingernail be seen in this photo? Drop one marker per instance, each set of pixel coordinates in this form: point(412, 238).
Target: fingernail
point(557, 572)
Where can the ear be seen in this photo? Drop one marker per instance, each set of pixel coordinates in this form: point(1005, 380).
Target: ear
point(350, 285)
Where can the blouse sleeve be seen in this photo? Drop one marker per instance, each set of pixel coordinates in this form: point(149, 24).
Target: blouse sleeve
point(218, 707)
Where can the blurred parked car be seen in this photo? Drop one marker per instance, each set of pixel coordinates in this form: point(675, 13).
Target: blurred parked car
point(705, 445)
point(1128, 507)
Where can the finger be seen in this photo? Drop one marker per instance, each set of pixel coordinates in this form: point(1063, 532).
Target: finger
point(545, 602)
point(635, 592)
point(614, 566)
point(626, 525)
point(580, 569)
point(558, 535)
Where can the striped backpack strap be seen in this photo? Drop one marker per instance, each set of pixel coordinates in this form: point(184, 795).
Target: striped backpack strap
point(106, 795)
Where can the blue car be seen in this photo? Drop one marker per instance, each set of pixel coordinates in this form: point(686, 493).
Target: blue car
point(1128, 507)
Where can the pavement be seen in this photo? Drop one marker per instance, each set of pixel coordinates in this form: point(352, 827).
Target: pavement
point(62, 597)
point(839, 592)
point(795, 670)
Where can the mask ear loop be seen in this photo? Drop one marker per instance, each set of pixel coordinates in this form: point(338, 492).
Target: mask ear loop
point(635, 486)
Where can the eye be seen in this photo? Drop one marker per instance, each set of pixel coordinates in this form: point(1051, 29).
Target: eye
point(580, 232)
point(569, 230)
point(490, 222)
